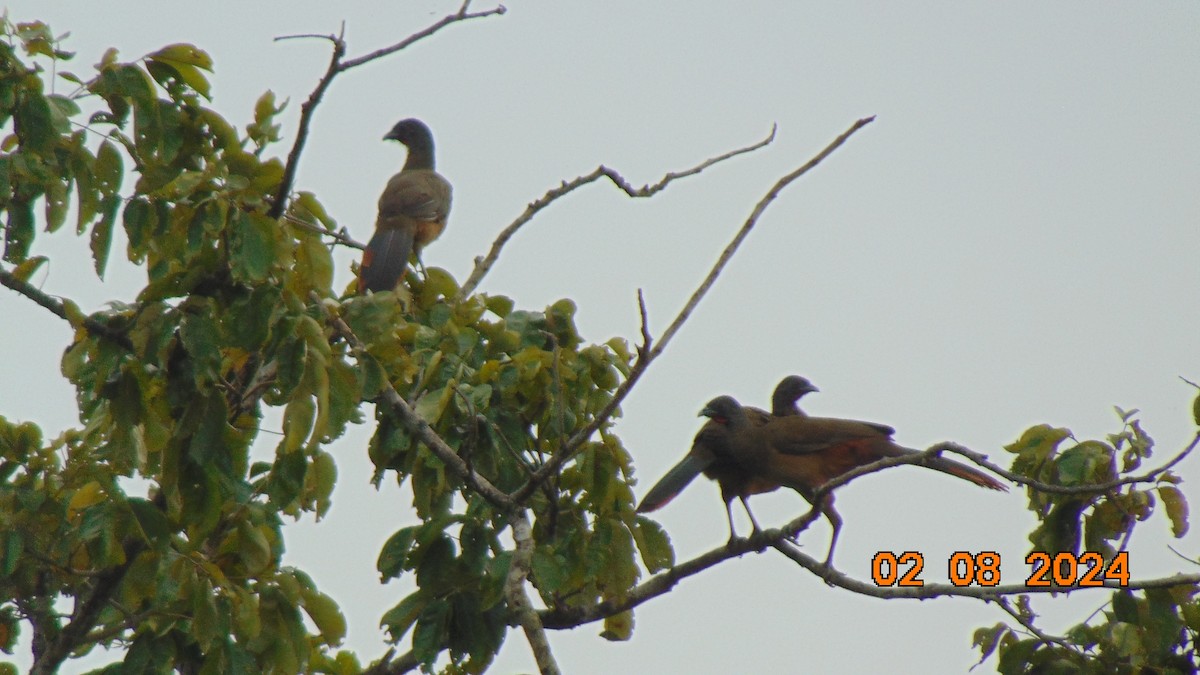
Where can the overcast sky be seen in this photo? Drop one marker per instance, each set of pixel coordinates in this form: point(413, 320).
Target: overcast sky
point(1013, 242)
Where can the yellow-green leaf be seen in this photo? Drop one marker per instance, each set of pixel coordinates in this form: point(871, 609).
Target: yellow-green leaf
point(26, 269)
point(618, 627)
point(1177, 509)
point(326, 615)
point(183, 52)
point(88, 495)
point(298, 421)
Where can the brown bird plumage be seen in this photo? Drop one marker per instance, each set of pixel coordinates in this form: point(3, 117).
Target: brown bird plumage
point(733, 479)
point(412, 211)
point(804, 453)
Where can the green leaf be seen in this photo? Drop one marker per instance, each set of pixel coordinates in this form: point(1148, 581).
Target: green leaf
point(550, 571)
point(56, 205)
point(18, 235)
point(987, 639)
point(654, 544)
point(252, 254)
point(108, 169)
point(429, 637)
point(62, 109)
point(618, 627)
point(205, 621)
point(183, 52)
point(34, 122)
point(306, 206)
point(185, 61)
point(400, 618)
point(153, 523)
point(1127, 640)
point(253, 548)
point(321, 478)
point(12, 544)
point(298, 422)
point(1177, 509)
point(501, 306)
point(102, 234)
point(27, 269)
point(326, 614)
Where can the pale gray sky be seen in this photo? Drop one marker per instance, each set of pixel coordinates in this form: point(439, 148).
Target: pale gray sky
point(1013, 241)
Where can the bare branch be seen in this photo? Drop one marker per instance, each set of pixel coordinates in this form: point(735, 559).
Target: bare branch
point(311, 36)
point(59, 309)
point(460, 15)
point(1027, 622)
point(417, 426)
point(340, 237)
point(306, 113)
point(336, 65)
point(647, 339)
point(928, 591)
point(650, 353)
point(659, 584)
point(518, 601)
point(484, 265)
point(88, 607)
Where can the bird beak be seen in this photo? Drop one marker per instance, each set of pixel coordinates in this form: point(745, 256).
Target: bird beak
point(706, 412)
point(812, 388)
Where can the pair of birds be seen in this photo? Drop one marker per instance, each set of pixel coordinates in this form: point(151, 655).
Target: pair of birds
point(749, 451)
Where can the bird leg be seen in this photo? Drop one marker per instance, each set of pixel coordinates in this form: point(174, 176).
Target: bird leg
point(729, 515)
point(750, 513)
point(835, 520)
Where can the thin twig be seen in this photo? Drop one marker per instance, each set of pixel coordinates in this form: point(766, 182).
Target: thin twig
point(484, 265)
point(647, 339)
point(460, 15)
point(58, 308)
point(340, 237)
point(1147, 477)
point(1029, 626)
point(337, 65)
point(390, 664)
point(648, 354)
point(306, 113)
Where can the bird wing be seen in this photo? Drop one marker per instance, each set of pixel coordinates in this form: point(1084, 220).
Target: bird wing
point(420, 195)
point(806, 435)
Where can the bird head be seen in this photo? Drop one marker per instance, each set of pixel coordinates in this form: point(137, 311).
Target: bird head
point(795, 386)
point(410, 131)
point(723, 410)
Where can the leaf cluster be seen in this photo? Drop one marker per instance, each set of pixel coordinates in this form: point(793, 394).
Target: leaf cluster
point(1151, 631)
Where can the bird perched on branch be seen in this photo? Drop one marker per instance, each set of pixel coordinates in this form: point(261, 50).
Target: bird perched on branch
point(789, 390)
point(412, 211)
point(804, 453)
point(706, 457)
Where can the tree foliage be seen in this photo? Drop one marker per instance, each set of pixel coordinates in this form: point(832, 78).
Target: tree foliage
point(238, 315)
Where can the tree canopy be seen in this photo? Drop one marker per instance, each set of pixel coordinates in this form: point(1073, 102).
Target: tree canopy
point(499, 420)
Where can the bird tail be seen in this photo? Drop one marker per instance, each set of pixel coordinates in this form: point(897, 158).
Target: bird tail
point(385, 259)
point(675, 481)
point(965, 472)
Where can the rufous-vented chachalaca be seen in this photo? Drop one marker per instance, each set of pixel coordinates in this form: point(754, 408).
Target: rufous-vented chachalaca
point(412, 211)
point(804, 453)
point(790, 389)
point(733, 480)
